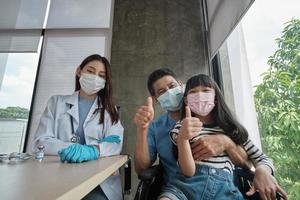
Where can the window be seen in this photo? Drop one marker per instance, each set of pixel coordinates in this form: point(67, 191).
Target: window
point(17, 79)
point(260, 60)
point(67, 38)
point(272, 43)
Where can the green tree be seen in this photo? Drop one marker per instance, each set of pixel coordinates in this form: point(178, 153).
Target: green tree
point(277, 101)
point(14, 113)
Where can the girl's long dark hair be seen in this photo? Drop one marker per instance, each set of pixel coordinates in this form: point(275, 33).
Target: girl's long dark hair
point(104, 96)
point(221, 112)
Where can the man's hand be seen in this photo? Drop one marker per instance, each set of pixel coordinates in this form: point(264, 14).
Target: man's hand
point(191, 126)
point(208, 146)
point(213, 145)
point(265, 184)
point(144, 115)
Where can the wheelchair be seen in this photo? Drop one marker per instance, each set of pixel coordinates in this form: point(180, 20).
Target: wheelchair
point(151, 182)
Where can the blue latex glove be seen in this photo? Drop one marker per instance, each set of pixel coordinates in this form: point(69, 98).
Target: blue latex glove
point(77, 153)
point(110, 139)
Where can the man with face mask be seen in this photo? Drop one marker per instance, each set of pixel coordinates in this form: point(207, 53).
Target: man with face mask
point(152, 136)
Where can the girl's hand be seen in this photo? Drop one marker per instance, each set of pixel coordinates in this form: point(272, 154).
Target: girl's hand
point(191, 126)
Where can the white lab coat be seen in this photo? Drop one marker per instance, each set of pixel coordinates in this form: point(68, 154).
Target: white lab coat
point(55, 132)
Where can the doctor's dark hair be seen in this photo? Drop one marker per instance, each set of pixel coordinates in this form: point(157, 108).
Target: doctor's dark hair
point(105, 96)
point(221, 113)
point(158, 74)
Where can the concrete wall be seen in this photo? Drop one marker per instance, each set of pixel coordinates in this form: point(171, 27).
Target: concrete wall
point(148, 35)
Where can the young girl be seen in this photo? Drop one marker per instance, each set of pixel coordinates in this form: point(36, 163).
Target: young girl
point(205, 113)
point(85, 125)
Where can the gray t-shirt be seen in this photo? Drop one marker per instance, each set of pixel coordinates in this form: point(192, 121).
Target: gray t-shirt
point(84, 106)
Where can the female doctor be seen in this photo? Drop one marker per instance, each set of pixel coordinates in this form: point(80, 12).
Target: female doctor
point(85, 125)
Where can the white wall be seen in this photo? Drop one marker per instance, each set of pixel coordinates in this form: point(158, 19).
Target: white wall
point(241, 84)
point(3, 60)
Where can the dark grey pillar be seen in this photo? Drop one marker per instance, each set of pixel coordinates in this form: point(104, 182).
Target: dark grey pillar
point(148, 35)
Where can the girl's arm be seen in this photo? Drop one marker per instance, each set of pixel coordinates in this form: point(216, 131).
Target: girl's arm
point(185, 157)
point(181, 134)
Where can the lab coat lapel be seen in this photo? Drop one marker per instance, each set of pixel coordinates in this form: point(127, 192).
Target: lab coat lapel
point(72, 104)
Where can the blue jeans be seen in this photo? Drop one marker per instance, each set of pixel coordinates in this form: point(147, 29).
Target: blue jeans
point(208, 183)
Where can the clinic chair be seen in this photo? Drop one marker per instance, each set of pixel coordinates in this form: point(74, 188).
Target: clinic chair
point(151, 182)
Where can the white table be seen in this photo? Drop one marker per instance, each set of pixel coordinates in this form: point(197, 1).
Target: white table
point(52, 179)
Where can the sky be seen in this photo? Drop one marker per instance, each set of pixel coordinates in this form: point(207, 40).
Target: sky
point(18, 82)
point(262, 24)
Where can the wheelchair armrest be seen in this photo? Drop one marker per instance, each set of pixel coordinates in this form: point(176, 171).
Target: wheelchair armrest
point(150, 173)
point(245, 173)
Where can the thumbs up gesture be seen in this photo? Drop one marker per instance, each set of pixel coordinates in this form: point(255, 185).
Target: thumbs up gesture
point(191, 126)
point(144, 115)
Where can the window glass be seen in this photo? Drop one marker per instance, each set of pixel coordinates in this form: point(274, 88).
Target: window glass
point(17, 77)
point(272, 44)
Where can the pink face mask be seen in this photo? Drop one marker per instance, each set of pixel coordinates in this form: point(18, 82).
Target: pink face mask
point(201, 103)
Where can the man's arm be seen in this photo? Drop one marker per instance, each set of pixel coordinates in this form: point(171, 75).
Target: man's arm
point(237, 154)
point(213, 145)
point(142, 119)
point(141, 154)
point(264, 182)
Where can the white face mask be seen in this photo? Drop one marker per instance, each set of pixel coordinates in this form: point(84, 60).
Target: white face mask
point(90, 83)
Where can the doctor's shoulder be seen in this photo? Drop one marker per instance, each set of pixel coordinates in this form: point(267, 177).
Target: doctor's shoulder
point(57, 100)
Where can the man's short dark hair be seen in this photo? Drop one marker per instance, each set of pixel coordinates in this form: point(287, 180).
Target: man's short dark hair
point(157, 74)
